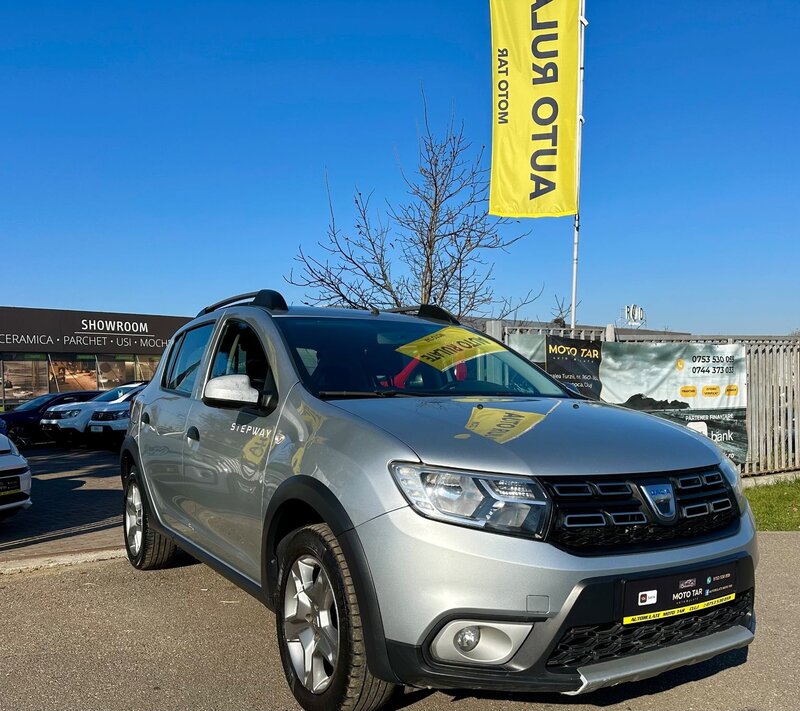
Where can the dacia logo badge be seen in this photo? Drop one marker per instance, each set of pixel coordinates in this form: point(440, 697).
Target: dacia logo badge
point(661, 499)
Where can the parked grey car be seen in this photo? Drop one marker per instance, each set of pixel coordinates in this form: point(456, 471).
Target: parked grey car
point(422, 506)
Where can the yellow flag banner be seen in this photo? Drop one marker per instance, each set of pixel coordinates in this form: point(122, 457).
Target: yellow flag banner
point(535, 46)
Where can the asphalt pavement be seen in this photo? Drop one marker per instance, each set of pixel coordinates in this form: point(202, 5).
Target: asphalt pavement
point(105, 636)
point(77, 505)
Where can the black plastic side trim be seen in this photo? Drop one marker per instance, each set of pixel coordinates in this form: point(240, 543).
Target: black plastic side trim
point(130, 448)
point(412, 668)
point(218, 566)
point(312, 492)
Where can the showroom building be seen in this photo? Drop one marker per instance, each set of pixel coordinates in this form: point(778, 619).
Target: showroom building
point(47, 350)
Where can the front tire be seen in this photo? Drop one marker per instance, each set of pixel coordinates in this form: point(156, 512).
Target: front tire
point(147, 549)
point(319, 627)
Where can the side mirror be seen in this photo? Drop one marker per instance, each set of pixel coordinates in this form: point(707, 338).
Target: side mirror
point(232, 391)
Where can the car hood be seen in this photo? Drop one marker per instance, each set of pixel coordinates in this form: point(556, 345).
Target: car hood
point(536, 436)
point(74, 406)
point(115, 407)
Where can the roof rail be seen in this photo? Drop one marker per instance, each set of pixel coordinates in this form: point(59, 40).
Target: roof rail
point(429, 312)
point(266, 298)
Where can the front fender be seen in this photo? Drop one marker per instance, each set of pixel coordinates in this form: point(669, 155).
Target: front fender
point(312, 493)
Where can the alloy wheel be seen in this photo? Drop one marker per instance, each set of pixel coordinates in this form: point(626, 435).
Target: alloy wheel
point(19, 437)
point(133, 518)
point(311, 624)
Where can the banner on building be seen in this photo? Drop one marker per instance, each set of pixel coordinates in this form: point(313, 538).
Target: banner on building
point(703, 386)
point(575, 362)
point(535, 55)
point(531, 346)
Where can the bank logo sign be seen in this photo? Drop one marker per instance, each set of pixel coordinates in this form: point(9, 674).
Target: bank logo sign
point(49, 331)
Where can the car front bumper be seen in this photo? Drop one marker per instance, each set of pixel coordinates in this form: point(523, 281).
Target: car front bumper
point(428, 574)
point(22, 497)
point(107, 427)
point(70, 426)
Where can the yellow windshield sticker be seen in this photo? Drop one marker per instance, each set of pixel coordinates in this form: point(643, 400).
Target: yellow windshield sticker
point(502, 426)
point(685, 610)
point(448, 346)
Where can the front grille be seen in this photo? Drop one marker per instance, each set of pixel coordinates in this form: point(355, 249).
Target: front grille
point(56, 415)
point(590, 644)
point(103, 416)
point(598, 514)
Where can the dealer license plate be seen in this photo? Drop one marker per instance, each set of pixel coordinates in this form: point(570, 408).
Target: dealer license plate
point(96, 428)
point(672, 595)
point(9, 485)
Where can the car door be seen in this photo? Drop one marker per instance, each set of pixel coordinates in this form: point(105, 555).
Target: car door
point(225, 453)
point(162, 428)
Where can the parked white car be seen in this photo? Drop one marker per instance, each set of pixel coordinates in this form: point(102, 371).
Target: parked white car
point(112, 420)
point(15, 480)
point(73, 419)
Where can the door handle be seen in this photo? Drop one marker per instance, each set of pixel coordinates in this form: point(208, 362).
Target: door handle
point(193, 433)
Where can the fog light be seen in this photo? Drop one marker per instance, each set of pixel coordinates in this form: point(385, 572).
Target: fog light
point(480, 642)
point(467, 639)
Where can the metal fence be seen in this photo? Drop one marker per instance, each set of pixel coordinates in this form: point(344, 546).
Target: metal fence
point(773, 386)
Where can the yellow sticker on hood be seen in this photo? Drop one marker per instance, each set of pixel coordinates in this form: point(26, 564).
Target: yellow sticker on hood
point(502, 426)
point(448, 346)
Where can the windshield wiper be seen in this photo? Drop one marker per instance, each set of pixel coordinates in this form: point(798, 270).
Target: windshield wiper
point(333, 394)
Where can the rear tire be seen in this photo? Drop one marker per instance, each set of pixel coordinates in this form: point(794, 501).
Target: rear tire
point(147, 549)
point(320, 631)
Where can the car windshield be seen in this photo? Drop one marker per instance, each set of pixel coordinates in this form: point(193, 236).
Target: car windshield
point(358, 357)
point(35, 403)
point(113, 394)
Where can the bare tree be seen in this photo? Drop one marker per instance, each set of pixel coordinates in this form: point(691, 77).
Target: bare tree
point(434, 248)
point(560, 312)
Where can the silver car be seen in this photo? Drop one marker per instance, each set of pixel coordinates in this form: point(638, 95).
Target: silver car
point(15, 480)
point(422, 506)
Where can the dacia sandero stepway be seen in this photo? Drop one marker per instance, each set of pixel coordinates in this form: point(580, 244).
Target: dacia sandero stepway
point(422, 506)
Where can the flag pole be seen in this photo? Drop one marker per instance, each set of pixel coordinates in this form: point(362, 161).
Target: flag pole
point(577, 222)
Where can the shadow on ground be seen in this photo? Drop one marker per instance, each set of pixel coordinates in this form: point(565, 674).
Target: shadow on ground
point(74, 492)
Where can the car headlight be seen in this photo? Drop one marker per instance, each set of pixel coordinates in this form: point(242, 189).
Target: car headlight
point(731, 472)
point(491, 502)
point(122, 415)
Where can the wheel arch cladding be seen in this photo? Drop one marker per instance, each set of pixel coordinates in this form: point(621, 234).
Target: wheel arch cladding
point(128, 457)
point(303, 500)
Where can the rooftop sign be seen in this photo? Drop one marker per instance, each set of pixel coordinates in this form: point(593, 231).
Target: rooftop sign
point(52, 331)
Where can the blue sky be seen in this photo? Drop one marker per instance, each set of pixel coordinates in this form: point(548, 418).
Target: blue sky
point(155, 157)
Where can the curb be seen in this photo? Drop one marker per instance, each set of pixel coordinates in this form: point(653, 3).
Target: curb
point(766, 479)
point(27, 565)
